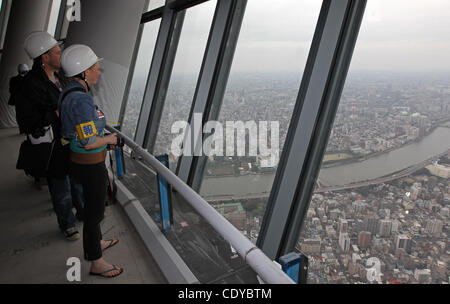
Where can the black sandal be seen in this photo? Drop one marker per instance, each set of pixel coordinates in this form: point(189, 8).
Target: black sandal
point(111, 243)
point(103, 274)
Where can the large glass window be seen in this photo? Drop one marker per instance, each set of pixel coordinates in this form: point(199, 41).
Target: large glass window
point(383, 191)
point(155, 4)
point(205, 252)
point(263, 85)
point(141, 70)
point(186, 69)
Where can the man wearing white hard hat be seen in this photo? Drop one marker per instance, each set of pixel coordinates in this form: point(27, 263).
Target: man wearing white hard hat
point(15, 83)
point(44, 154)
point(83, 125)
point(15, 86)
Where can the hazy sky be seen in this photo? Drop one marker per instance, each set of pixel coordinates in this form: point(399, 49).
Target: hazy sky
point(404, 35)
point(276, 35)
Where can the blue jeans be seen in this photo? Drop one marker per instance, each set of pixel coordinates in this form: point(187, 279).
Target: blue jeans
point(66, 194)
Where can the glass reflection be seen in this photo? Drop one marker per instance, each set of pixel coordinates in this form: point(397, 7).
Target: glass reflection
point(155, 4)
point(186, 69)
point(263, 85)
point(141, 70)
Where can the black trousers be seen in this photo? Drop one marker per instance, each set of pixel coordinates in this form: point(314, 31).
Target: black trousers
point(94, 181)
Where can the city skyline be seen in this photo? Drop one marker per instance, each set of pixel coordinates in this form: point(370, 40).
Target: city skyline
point(378, 111)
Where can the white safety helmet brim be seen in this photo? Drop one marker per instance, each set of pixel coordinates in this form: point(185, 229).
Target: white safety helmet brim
point(38, 43)
point(78, 58)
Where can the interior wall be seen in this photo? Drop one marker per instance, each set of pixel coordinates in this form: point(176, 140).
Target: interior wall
point(110, 28)
point(25, 17)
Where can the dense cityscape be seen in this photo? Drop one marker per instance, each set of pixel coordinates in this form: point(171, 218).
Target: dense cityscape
point(403, 223)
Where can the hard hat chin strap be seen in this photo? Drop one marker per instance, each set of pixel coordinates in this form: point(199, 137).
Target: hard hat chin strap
point(87, 84)
point(82, 76)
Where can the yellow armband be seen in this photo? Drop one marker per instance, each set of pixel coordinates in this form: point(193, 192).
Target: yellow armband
point(86, 130)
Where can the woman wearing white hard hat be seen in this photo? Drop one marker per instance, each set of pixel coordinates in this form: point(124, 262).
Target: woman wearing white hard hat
point(83, 125)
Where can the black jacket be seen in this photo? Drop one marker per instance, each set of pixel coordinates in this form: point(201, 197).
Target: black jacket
point(36, 104)
point(15, 84)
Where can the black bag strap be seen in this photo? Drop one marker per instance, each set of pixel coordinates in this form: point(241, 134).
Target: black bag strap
point(67, 93)
point(70, 91)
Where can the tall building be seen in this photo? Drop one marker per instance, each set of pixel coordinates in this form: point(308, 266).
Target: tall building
point(311, 246)
point(359, 206)
point(434, 227)
point(364, 239)
point(343, 226)
point(403, 241)
point(371, 223)
point(359, 225)
point(335, 214)
point(330, 231)
point(395, 225)
point(385, 227)
point(344, 242)
point(320, 211)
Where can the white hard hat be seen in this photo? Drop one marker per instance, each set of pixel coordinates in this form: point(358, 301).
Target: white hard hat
point(37, 43)
point(22, 68)
point(78, 58)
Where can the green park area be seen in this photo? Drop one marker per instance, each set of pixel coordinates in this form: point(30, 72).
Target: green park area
point(336, 157)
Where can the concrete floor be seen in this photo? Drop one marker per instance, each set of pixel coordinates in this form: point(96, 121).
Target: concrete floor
point(33, 250)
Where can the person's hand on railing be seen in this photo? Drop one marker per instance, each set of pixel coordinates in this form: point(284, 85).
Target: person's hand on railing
point(111, 140)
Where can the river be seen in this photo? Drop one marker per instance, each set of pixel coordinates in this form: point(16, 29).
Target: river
point(433, 144)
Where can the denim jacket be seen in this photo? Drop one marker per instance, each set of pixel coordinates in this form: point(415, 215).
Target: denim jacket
point(78, 109)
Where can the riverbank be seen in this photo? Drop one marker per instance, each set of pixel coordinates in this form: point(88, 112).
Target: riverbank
point(355, 159)
point(388, 163)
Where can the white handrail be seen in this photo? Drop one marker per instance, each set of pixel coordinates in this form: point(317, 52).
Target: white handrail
point(252, 255)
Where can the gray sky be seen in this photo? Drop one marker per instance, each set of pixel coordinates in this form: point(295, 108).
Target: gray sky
point(276, 35)
point(404, 35)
